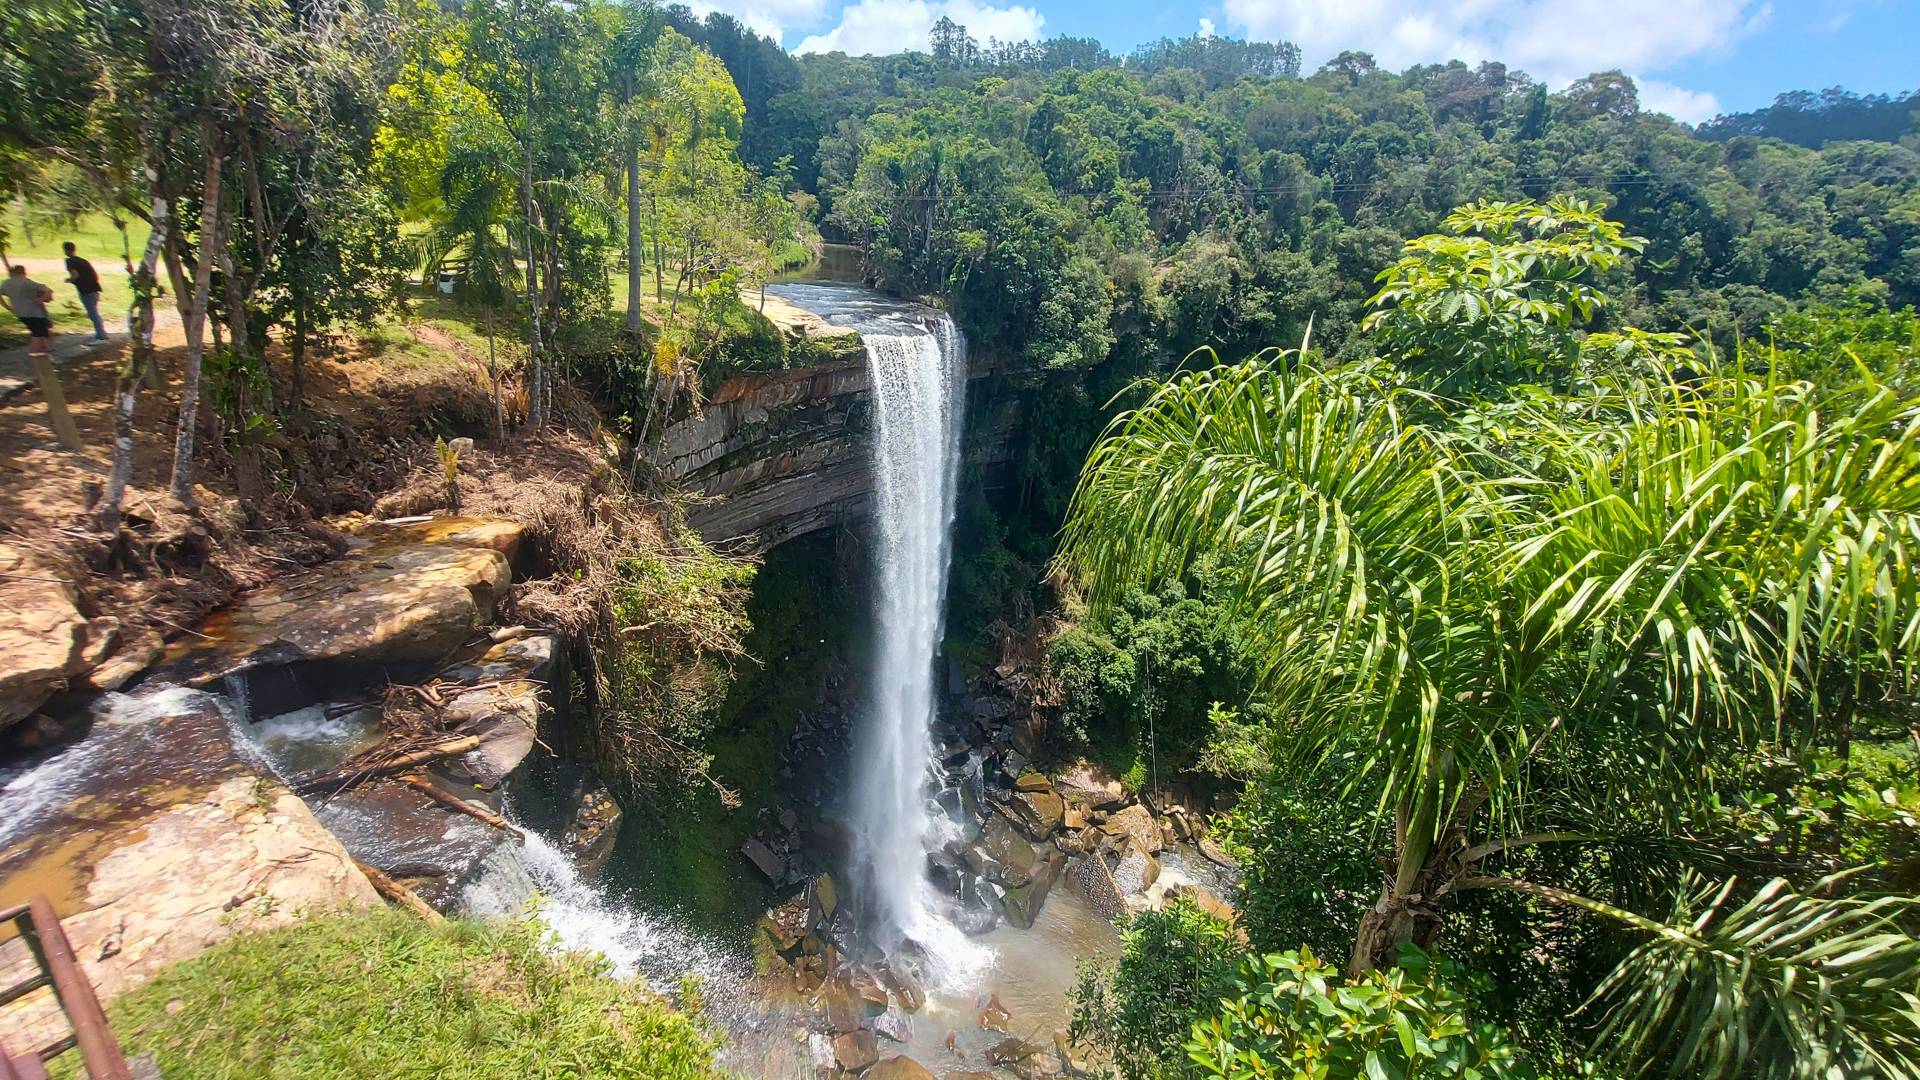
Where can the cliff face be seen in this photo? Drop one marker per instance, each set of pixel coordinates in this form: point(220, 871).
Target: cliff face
point(781, 454)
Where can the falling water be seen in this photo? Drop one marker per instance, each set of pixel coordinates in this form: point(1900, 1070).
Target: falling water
point(918, 377)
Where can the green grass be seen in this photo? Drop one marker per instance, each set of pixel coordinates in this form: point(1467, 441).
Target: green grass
point(31, 236)
point(384, 994)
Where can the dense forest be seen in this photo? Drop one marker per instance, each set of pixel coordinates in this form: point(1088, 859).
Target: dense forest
point(1499, 499)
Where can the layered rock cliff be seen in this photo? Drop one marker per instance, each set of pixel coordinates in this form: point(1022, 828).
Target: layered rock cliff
point(780, 454)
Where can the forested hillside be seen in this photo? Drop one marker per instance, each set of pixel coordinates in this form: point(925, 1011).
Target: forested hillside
point(1482, 514)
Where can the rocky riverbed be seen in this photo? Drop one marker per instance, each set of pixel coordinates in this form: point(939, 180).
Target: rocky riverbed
point(1038, 865)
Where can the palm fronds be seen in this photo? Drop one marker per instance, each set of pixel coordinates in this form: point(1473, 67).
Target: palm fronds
point(1787, 985)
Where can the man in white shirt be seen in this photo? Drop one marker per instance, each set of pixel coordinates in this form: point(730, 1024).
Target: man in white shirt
point(27, 299)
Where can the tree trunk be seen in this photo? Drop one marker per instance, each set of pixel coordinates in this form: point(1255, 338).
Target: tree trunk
point(536, 376)
point(297, 387)
point(139, 360)
point(659, 252)
point(1407, 910)
point(636, 253)
point(493, 376)
point(194, 318)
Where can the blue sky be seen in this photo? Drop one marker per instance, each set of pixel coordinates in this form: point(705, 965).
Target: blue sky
point(1693, 57)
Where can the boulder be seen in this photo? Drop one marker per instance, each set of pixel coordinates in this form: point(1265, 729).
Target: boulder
point(1093, 879)
point(820, 1053)
point(1090, 785)
point(765, 860)
point(786, 923)
point(1038, 813)
point(1074, 819)
point(899, 1068)
point(856, 1050)
point(409, 594)
point(1003, 855)
point(1032, 781)
point(1023, 904)
point(867, 992)
point(1208, 901)
point(993, 1015)
point(1136, 870)
point(135, 655)
point(1037, 1066)
point(502, 705)
point(969, 1074)
point(842, 1009)
point(43, 638)
point(1009, 1051)
point(1135, 821)
point(1215, 854)
point(823, 900)
point(894, 1025)
point(905, 985)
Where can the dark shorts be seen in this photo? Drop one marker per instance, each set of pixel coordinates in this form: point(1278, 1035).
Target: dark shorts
point(37, 327)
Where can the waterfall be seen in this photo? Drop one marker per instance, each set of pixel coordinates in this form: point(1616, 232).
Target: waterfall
point(918, 377)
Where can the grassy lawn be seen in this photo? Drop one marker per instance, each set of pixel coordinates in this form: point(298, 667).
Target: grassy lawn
point(383, 994)
point(99, 242)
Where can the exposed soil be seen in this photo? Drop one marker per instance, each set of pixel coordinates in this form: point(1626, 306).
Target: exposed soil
point(372, 414)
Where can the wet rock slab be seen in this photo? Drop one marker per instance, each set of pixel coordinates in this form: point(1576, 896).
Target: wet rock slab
point(433, 849)
point(409, 593)
point(154, 839)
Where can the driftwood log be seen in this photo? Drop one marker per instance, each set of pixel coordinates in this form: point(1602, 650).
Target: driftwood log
point(474, 810)
point(348, 775)
point(399, 894)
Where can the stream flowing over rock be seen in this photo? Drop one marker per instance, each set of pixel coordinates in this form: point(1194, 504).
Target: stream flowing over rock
point(165, 822)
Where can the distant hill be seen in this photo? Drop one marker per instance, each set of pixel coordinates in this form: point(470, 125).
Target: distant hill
point(1834, 115)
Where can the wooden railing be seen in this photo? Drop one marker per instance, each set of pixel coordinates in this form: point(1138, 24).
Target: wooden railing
point(49, 1024)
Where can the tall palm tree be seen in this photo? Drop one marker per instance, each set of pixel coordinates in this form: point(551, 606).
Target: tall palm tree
point(1679, 576)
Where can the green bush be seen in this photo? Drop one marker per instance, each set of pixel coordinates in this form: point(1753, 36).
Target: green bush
point(383, 994)
point(1175, 967)
point(1153, 669)
point(1292, 1016)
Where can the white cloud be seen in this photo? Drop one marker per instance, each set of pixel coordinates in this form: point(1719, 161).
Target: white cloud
point(873, 27)
point(768, 18)
point(1690, 106)
point(1206, 28)
point(1554, 40)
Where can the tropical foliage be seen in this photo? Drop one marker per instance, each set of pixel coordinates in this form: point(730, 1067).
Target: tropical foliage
point(1292, 1016)
point(1554, 634)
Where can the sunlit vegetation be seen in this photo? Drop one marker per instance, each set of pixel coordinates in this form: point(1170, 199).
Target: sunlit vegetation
point(383, 994)
point(1539, 633)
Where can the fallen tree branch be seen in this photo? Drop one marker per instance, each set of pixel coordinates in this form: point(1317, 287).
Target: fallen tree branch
point(350, 775)
point(473, 810)
point(399, 894)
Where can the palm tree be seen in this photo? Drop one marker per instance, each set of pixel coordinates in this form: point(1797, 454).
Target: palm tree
point(1682, 575)
point(476, 186)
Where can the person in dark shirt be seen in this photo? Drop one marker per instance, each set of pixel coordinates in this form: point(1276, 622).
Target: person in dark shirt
point(87, 282)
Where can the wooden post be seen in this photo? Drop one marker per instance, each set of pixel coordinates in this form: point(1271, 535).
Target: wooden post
point(49, 381)
point(98, 1048)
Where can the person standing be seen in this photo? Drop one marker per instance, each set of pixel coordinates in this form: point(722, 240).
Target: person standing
point(87, 282)
point(27, 299)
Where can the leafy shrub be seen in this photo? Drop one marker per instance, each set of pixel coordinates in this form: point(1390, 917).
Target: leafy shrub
point(1155, 668)
point(1293, 1016)
point(1175, 967)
